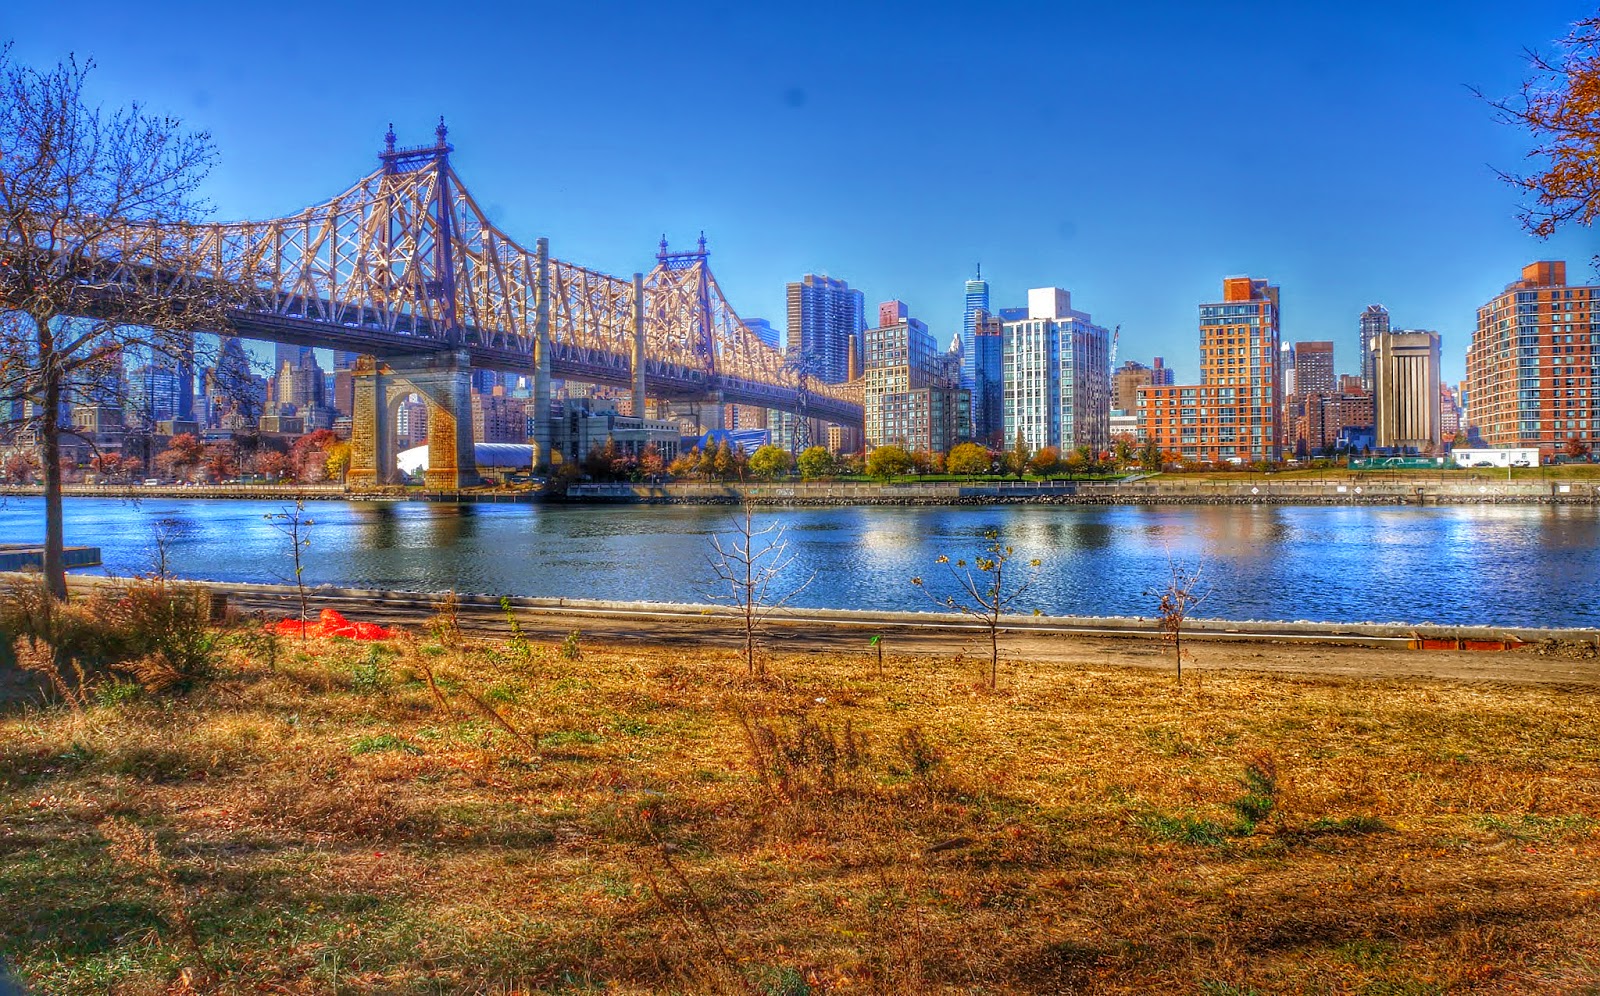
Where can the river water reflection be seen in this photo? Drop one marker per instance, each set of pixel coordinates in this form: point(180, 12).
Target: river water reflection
point(1512, 565)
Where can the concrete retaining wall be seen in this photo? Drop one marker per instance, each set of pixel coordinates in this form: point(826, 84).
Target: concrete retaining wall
point(1357, 633)
point(1165, 491)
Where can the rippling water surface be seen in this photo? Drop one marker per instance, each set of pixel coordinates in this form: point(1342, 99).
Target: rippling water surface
point(1513, 565)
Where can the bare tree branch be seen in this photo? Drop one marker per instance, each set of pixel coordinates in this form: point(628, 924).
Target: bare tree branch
point(95, 216)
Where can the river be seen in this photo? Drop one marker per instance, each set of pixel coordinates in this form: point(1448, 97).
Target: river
point(1512, 565)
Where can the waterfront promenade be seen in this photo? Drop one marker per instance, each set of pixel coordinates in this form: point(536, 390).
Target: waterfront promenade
point(1555, 486)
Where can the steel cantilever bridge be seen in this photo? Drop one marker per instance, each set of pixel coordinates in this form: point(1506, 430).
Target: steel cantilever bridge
point(405, 269)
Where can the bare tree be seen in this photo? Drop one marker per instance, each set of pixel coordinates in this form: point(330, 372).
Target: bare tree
point(984, 591)
point(94, 209)
point(749, 570)
point(1177, 597)
point(296, 528)
point(1559, 106)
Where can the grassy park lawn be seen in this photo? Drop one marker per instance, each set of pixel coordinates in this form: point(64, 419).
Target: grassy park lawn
point(415, 817)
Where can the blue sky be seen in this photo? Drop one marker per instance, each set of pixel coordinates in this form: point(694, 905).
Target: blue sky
point(1133, 153)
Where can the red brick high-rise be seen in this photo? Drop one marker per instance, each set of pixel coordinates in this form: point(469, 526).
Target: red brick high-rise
point(1234, 415)
point(1530, 368)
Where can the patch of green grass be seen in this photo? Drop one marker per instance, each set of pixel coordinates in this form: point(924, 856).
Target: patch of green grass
point(503, 693)
point(1367, 953)
point(1167, 742)
point(632, 727)
point(1532, 827)
point(381, 743)
point(563, 738)
point(1183, 829)
point(1400, 987)
point(114, 693)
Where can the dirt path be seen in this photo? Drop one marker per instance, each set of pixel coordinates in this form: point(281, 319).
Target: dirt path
point(1525, 666)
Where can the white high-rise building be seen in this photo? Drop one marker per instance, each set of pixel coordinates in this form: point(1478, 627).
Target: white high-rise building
point(1057, 377)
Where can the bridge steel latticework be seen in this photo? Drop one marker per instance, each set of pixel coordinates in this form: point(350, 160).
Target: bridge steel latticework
point(405, 268)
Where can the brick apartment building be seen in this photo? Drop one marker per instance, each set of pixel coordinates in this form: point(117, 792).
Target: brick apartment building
point(1531, 365)
point(1235, 413)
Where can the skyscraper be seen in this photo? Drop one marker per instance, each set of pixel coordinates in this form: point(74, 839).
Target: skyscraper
point(1313, 368)
point(1235, 413)
point(823, 314)
point(1374, 322)
point(295, 356)
point(988, 385)
point(913, 395)
point(1405, 370)
point(763, 330)
point(977, 302)
point(1057, 375)
point(1531, 366)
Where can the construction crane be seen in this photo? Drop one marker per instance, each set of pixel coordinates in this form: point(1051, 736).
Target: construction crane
point(1116, 334)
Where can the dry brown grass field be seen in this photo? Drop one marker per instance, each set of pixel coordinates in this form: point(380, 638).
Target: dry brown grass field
point(427, 817)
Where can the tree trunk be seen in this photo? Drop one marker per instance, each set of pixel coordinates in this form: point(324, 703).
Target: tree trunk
point(55, 571)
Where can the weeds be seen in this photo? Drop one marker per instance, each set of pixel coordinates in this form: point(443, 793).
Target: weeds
point(920, 757)
point(570, 647)
point(807, 758)
point(134, 850)
point(446, 622)
point(517, 645)
point(260, 643)
point(1260, 784)
point(156, 632)
point(370, 676)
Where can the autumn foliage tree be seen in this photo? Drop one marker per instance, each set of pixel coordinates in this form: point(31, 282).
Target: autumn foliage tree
point(815, 462)
point(1559, 106)
point(183, 454)
point(968, 459)
point(887, 462)
point(1045, 462)
point(771, 462)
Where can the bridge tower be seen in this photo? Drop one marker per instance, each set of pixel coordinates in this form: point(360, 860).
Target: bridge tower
point(443, 378)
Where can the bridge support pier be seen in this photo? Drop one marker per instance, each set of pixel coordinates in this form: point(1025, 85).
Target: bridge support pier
point(372, 453)
point(541, 360)
point(719, 411)
point(445, 381)
point(637, 358)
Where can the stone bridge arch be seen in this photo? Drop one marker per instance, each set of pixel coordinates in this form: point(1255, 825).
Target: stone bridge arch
point(444, 381)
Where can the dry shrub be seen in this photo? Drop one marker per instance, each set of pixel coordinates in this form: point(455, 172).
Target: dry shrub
point(446, 622)
point(808, 758)
point(158, 632)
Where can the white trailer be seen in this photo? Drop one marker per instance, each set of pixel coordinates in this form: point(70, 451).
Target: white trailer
point(1514, 457)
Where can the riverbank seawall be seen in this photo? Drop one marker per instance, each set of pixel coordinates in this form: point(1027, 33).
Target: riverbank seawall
point(1148, 491)
point(678, 620)
point(269, 492)
point(1163, 491)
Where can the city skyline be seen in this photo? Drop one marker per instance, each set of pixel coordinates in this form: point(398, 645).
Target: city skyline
point(1148, 206)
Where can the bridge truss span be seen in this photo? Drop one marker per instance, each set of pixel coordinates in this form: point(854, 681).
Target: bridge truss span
point(405, 263)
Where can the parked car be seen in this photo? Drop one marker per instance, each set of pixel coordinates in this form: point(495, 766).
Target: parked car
point(1521, 463)
point(1483, 463)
